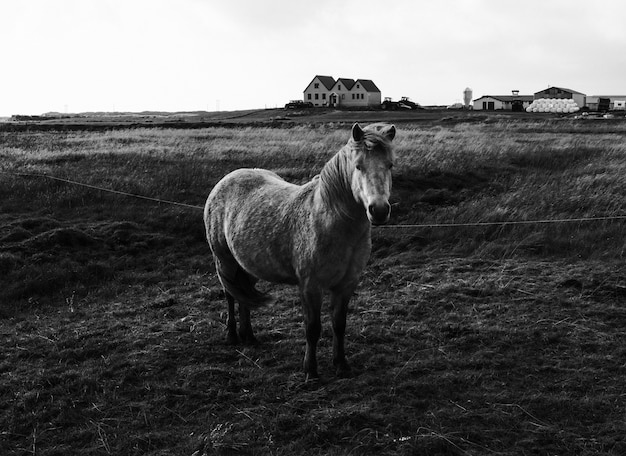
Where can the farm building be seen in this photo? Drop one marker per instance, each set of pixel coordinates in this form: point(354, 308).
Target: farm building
point(614, 102)
point(514, 102)
point(561, 93)
point(343, 92)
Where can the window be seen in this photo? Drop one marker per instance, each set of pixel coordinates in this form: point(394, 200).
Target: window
point(353, 96)
point(308, 96)
point(339, 87)
point(343, 96)
point(358, 86)
point(317, 96)
point(316, 85)
point(323, 96)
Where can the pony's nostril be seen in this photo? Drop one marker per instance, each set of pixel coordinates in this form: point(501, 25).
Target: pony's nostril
point(379, 212)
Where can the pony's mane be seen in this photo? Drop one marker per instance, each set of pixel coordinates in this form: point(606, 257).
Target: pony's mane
point(373, 138)
point(335, 178)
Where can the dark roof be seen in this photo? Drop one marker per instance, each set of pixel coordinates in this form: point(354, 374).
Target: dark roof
point(368, 85)
point(327, 81)
point(562, 89)
point(508, 98)
point(348, 83)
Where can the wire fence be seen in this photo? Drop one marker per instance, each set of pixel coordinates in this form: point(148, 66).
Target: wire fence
point(401, 226)
point(102, 189)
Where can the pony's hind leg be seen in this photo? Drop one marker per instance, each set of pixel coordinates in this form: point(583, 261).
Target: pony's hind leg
point(231, 323)
point(245, 335)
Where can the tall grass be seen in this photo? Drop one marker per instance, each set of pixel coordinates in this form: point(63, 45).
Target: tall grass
point(516, 172)
point(463, 173)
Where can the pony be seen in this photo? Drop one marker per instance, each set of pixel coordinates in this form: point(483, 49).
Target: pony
point(316, 236)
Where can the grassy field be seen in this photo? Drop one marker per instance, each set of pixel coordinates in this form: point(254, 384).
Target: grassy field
point(468, 340)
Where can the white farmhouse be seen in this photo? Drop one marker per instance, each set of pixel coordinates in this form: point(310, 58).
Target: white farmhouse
point(343, 92)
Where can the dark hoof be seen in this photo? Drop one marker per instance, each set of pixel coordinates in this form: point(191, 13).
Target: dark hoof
point(311, 377)
point(248, 339)
point(232, 339)
point(344, 371)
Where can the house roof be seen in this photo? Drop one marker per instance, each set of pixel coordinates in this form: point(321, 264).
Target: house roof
point(327, 81)
point(508, 98)
point(368, 85)
point(347, 83)
point(562, 89)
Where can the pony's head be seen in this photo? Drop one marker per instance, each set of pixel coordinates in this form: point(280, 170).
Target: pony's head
point(372, 159)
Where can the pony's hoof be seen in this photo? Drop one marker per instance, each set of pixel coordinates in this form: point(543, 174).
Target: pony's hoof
point(344, 371)
point(249, 339)
point(311, 377)
point(310, 374)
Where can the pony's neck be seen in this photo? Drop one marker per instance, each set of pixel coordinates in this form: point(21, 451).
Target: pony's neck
point(335, 187)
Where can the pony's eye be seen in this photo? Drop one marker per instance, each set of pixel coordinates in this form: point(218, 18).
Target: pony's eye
point(359, 167)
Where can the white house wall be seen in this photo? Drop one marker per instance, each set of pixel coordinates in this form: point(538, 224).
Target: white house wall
point(357, 97)
point(342, 93)
point(317, 95)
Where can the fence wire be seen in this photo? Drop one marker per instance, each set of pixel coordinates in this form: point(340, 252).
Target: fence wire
point(401, 226)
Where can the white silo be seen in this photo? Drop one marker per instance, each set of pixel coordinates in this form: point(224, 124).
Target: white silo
point(467, 97)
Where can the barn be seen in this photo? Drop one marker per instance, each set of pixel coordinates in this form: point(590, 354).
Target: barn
point(514, 102)
point(343, 92)
point(562, 93)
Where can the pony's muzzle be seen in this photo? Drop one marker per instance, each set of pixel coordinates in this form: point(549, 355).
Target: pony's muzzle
point(378, 212)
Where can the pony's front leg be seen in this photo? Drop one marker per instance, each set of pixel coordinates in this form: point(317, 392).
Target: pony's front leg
point(246, 335)
point(311, 309)
point(339, 308)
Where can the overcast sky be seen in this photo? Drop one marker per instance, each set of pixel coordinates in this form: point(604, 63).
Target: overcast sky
point(184, 55)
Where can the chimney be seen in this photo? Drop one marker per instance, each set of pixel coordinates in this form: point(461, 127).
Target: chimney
point(515, 93)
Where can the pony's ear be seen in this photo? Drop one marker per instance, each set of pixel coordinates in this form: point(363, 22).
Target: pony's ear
point(389, 132)
point(357, 132)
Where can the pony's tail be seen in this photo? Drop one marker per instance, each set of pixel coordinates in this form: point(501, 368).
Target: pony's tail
point(241, 286)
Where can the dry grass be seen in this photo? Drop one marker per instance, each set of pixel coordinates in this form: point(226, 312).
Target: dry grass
point(466, 341)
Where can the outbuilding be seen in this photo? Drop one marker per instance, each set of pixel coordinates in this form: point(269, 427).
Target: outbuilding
point(615, 102)
point(514, 102)
point(562, 93)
